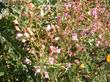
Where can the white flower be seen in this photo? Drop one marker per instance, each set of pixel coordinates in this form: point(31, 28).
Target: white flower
point(57, 38)
point(48, 28)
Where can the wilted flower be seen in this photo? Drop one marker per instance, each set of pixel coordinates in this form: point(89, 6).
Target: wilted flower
point(27, 61)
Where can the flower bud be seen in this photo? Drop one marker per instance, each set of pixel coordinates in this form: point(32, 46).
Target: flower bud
point(17, 28)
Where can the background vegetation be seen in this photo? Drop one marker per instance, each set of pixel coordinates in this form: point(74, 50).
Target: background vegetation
point(55, 41)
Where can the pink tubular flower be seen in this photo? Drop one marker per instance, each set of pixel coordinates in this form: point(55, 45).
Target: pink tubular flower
point(75, 37)
point(51, 61)
point(19, 35)
point(37, 69)
point(94, 12)
point(30, 5)
point(46, 75)
point(98, 43)
point(54, 49)
point(27, 61)
point(57, 50)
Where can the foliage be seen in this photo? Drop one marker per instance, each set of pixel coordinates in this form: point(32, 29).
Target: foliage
point(55, 41)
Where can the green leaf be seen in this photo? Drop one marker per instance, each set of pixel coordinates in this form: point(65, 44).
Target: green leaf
point(1, 73)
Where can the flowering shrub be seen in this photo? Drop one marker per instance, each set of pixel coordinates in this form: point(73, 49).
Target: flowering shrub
point(55, 41)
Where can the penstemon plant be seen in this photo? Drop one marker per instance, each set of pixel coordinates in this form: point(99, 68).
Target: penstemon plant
point(55, 41)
